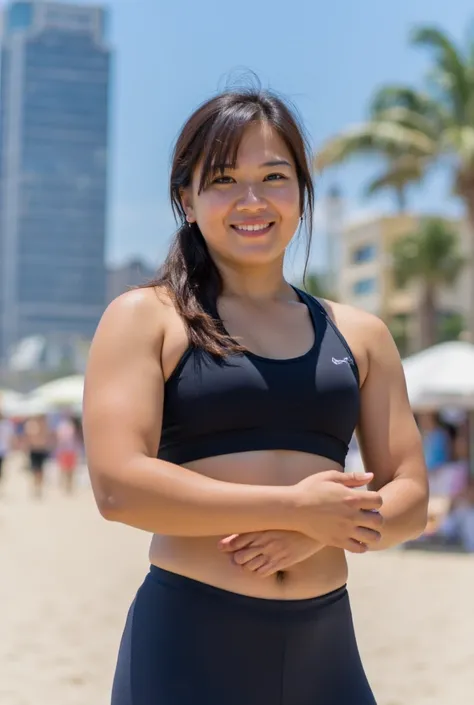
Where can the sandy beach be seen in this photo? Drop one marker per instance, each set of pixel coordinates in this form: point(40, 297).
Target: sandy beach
point(67, 578)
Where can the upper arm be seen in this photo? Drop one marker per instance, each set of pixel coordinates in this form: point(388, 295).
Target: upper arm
point(123, 391)
point(387, 432)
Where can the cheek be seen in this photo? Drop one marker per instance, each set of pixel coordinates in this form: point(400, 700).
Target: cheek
point(286, 200)
point(212, 207)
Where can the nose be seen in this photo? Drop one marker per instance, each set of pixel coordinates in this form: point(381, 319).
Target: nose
point(251, 200)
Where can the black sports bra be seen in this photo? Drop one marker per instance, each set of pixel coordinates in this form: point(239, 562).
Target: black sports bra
point(248, 402)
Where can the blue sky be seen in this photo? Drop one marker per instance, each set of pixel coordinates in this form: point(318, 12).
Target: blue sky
point(326, 57)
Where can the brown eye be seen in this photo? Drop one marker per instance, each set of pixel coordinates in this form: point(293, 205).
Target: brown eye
point(275, 177)
point(223, 180)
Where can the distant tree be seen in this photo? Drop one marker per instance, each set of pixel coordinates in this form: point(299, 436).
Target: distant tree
point(430, 257)
point(452, 325)
point(314, 284)
point(414, 131)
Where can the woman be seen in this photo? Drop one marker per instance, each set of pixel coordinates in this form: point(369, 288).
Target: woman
point(6, 440)
point(39, 442)
point(67, 452)
point(219, 404)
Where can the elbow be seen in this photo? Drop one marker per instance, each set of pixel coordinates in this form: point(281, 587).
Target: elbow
point(107, 495)
point(420, 517)
point(107, 506)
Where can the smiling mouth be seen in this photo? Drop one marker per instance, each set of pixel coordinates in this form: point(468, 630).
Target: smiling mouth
point(253, 230)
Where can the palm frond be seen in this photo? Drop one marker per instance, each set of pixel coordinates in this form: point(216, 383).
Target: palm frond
point(400, 173)
point(374, 138)
point(401, 96)
point(470, 75)
point(461, 140)
point(411, 119)
point(451, 67)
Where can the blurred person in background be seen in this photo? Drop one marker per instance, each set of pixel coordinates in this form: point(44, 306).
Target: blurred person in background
point(458, 526)
point(219, 405)
point(6, 441)
point(38, 441)
point(436, 441)
point(67, 451)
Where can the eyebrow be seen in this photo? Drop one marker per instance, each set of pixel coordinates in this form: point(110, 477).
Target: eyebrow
point(275, 162)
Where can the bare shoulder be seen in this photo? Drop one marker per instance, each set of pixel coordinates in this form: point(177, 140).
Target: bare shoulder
point(366, 334)
point(139, 314)
point(346, 315)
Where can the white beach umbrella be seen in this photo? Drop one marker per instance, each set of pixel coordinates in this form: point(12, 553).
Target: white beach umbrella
point(66, 391)
point(10, 402)
point(442, 375)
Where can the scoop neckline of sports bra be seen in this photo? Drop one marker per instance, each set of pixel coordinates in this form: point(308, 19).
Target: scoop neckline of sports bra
point(282, 360)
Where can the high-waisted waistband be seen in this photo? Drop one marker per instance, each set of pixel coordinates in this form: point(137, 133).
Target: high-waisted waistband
point(233, 599)
point(189, 643)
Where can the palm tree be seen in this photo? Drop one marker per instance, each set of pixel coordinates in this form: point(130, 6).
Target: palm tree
point(431, 258)
point(315, 285)
point(415, 130)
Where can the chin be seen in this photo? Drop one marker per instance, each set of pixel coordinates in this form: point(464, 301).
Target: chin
point(257, 256)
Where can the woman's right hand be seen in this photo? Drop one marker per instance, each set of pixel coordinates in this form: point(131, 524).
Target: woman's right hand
point(333, 511)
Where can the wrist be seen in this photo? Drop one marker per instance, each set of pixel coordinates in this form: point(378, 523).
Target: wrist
point(280, 508)
point(295, 505)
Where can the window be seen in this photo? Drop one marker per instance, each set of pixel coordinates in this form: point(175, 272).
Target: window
point(364, 286)
point(364, 253)
point(19, 16)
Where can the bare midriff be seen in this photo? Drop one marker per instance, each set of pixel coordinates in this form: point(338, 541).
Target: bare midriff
point(201, 559)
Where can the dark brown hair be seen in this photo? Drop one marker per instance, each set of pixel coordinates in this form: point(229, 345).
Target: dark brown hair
point(189, 274)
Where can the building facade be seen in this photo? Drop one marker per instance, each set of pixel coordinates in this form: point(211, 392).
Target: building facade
point(54, 124)
point(365, 276)
point(123, 277)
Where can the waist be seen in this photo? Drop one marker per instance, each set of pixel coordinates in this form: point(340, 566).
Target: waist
point(179, 449)
point(175, 580)
point(199, 559)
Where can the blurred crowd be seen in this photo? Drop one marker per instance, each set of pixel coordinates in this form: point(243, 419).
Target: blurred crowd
point(446, 438)
point(42, 440)
point(55, 440)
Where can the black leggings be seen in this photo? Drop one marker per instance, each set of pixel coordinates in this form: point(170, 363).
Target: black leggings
point(187, 643)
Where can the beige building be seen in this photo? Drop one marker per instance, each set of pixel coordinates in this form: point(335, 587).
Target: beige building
point(365, 274)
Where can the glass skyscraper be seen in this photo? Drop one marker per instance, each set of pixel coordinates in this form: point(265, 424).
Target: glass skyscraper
point(54, 105)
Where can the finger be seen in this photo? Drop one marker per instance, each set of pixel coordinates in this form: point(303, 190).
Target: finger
point(366, 500)
point(270, 568)
point(355, 547)
point(371, 519)
point(255, 563)
point(245, 555)
point(367, 536)
point(237, 541)
point(354, 479)
point(226, 543)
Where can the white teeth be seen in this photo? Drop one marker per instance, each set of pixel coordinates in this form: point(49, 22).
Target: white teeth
point(252, 227)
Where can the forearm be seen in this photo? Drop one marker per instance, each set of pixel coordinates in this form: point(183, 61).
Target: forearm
point(163, 498)
point(405, 504)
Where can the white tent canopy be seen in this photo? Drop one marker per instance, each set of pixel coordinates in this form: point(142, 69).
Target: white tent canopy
point(66, 391)
point(59, 394)
point(442, 375)
point(10, 402)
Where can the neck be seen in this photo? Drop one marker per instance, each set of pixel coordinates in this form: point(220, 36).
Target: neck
point(255, 283)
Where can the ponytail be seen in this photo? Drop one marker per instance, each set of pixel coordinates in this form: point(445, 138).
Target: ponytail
point(193, 282)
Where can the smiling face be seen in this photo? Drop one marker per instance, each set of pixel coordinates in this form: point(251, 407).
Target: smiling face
point(249, 214)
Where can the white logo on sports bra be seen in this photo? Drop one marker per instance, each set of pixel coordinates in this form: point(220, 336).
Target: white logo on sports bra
point(346, 360)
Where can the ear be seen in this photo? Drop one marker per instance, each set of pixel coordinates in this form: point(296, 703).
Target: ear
point(187, 203)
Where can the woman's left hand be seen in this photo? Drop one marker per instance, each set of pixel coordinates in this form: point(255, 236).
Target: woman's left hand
point(267, 552)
